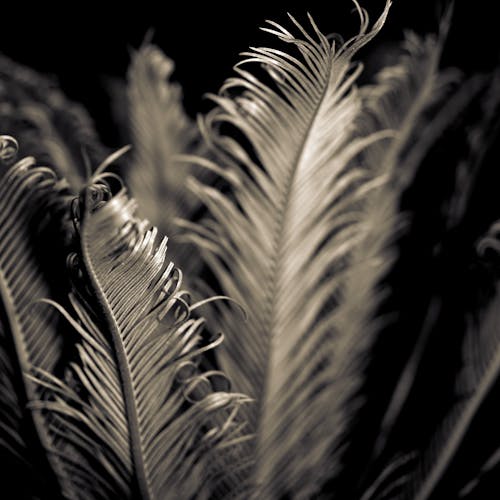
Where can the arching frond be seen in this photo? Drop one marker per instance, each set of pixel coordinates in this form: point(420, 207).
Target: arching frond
point(139, 416)
point(29, 196)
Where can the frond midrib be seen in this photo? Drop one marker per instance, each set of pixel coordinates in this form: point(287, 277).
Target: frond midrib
point(282, 220)
point(135, 437)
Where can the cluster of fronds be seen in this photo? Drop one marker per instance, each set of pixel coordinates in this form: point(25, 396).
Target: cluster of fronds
point(348, 256)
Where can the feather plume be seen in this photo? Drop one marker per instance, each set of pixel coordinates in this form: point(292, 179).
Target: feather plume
point(138, 416)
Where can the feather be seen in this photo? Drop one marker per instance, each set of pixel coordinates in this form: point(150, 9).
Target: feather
point(28, 336)
point(137, 416)
point(282, 244)
point(56, 131)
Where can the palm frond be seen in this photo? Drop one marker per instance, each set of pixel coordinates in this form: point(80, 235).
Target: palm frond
point(478, 375)
point(405, 97)
point(139, 415)
point(29, 196)
point(56, 131)
point(444, 318)
point(282, 244)
point(159, 132)
point(408, 97)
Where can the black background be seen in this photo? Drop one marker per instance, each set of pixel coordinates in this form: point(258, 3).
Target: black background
point(84, 44)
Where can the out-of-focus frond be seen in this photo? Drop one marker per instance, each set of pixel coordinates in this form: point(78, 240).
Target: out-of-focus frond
point(479, 373)
point(447, 319)
point(29, 196)
point(403, 99)
point(406, 97)
point(56, 131)
point(159, 132)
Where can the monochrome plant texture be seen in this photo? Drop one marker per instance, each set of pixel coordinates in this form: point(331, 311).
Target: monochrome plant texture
point(324, 321)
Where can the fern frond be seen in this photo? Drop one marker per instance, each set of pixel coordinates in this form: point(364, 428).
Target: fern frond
point(139, 416)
